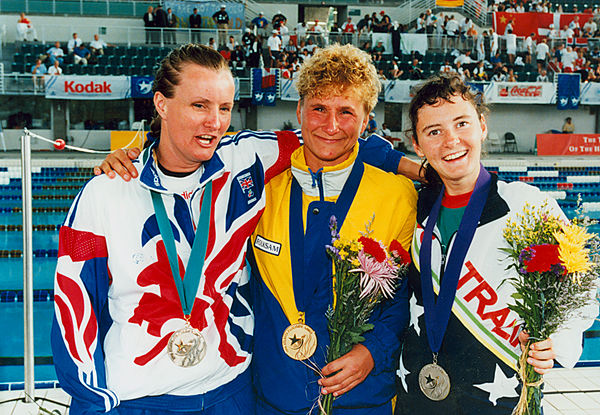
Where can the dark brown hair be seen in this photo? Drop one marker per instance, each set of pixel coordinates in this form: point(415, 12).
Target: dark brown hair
point(168, 74)
point(442, 87)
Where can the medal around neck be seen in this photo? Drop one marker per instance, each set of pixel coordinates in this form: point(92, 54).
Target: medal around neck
point(434, 382)
point(186, 347)
point(299, 341)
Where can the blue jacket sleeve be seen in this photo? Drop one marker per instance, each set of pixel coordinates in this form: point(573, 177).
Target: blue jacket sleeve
point(390, 319)
point(378, 152)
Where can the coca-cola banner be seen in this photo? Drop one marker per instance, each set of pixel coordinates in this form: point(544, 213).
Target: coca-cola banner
point(520, 92)
point(88, 87)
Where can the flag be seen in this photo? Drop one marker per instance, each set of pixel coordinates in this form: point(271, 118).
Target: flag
point(265, 84)
point(449, 3)
point(523, 23)
point(567, 91)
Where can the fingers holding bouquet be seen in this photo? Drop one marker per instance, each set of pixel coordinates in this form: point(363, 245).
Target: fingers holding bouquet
point(541, 354)
point(352, 368)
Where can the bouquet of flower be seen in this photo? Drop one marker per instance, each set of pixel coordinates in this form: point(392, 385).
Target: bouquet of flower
point(557, 264)
point(365, 272)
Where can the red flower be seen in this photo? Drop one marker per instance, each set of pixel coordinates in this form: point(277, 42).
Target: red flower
point(542, 258)
point(373, 248)
point(398, 251)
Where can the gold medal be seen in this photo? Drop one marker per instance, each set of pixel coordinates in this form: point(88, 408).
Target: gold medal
point(434, 382)
point(299, 341)
point(186, 347)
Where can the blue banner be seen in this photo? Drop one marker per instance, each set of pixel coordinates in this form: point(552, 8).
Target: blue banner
point(567, 91)
point(265, 83)
point(206, 9)
point(141, 86)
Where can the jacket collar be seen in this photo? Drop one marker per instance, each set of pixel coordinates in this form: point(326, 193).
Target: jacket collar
point(495, 207)
point(332, 178)
point(150, 179)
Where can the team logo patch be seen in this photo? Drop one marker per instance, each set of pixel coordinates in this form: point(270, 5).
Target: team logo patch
point(247, 185)
point(267, 246)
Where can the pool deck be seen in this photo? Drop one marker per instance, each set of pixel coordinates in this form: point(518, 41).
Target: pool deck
point(567, 392)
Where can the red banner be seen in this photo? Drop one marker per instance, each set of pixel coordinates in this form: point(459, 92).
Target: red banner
point(568, 144)
point(526, 23)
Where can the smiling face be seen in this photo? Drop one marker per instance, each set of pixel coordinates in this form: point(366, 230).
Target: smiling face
point(195, 118)
point(449, 135)
point(330, 127)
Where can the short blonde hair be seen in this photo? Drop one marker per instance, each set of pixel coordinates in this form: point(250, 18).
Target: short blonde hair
point(335, 69)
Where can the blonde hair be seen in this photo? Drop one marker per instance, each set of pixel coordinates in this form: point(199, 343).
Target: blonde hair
point(335, 69)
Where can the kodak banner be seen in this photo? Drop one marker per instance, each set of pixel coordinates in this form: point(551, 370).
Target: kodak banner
point(449, 3)
point(568, 144)
point(88, 87)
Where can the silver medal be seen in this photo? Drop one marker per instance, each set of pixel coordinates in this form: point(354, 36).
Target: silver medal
point(434, 382)
point(186, 347)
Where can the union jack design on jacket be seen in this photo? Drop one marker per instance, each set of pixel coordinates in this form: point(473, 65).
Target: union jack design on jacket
point(116, 304)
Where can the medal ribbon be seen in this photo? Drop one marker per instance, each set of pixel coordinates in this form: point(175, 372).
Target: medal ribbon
point(437, 313)
point(187, 287)
point(313, 256)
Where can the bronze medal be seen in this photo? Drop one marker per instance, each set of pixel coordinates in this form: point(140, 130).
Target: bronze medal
point(299, 341)
point(186, 347)
point(434, 382)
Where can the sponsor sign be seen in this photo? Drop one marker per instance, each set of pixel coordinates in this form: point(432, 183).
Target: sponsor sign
point(206, 9)
point(520, 92)
point(568, 144)
point(590, 93)
point(88, 87)
point(289, 91)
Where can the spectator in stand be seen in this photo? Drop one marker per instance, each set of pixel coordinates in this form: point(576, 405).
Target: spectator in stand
point(55, 69)
point(316, 33)
point(171, 32)
point(160, 20)
point(38, 70)
point(310, 46)
point(511, 46)
point(509, 27)
point(586, 71)
point(500, 75)
point(74, 43)
point(591, 27)
point(248, 37)
point(274, 47)
point(371, 125)
point(395, 33)
point(261, 24)
point(226, 54)
point(348, 28)
point(278, 17)
point(291, 49)
point(452, 29)
point(301, 30)
point(464, 58)
point(568, 127)
point(542, 76)
point(430, 21)
point(378, 51)
point(396, 72)
point(542, 54)
point(520, 8)
point(374, 23)
point(464, 73)
point(97, 46)
point(386, 133)
point(493, 42)
point(496, 61)
point(479, 73)
point(446, 67)
point(568, 60)
point(566, 32)
point(231, 43)
point(149, 25)
point(363, 24)
point(420, 24)
point(466, 28)
point(55, 53)
point(385, 22)
point(529, 47)
point(580, 60)
point(81, 55)
point(553, 33)
point(238, 58)
point(284, 32)
point(303, 55)
point(381, 75)
point(254, 53)
point(195, 25)
point(211, 43)
point(574, 25)
point(595, 55)
point(480, 45)
point(221, 19)
point(415, 70)
point(511, 76)
point(25, 29)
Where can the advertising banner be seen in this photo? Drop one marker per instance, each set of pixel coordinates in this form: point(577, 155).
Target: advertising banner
point(449, 3)
point(590, 93)
point(88, 87)
point(398, 91)
point(568, 144)
point(206, 9)
point(520, 93)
